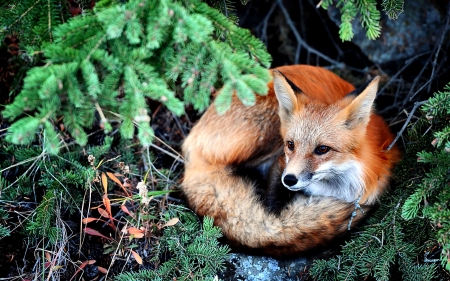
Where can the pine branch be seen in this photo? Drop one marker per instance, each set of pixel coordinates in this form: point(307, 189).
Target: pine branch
point(123, 54)
point(393, 8)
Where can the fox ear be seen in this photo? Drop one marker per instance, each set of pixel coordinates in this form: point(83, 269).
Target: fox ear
point(285, 92)
point(359, 110)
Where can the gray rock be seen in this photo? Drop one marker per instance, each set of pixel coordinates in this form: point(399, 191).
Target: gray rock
point(257, 268)
point(415, 31)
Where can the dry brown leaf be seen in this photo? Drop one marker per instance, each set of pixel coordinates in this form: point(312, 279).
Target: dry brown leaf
point(95, 233)
point(83, 265)
point(125, 209)
point(107, 204)
point(137, 257)
point(103, 212)
point(172, 221)
point(134, 230)
point(105, 183)
point(88, 220)
point(114, 178)
point(138, 235)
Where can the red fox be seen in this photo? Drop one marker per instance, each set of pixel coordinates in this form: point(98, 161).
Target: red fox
point(312, 135)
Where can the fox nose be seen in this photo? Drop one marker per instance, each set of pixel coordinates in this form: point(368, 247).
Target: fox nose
point(290, 180)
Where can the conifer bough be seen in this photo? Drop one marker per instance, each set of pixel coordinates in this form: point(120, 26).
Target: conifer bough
point(112, 60)
point(368, 12)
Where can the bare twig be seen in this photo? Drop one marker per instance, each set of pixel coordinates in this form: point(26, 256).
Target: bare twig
point(400, 133)
point(263, 36)
point(176, 157)
point(301, 42)
point(407, 64)
point(439, 45)
point(336, 46)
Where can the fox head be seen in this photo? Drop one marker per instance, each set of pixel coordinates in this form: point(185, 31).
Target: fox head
point(322, 142)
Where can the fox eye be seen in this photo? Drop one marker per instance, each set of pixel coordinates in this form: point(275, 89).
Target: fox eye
point(321, 149)
point(290, 145)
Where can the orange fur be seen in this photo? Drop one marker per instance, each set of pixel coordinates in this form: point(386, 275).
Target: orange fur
point(256, 136)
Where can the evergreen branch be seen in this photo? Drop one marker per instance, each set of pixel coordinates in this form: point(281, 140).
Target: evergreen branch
point(370, 17)
point(119, 49)
point(8, 27)
point(49, 16)
point(393, 8)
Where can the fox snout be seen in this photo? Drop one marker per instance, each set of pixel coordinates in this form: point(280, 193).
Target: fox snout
point(294, 183)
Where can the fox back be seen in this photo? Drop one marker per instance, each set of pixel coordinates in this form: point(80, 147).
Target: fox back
point(314, 133)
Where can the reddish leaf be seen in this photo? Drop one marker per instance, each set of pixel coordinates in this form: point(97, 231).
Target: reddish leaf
point(102, 269)
point(83, 265)
point(91, 231)
point(105, 183)
point(88, 220)
point(138, 235)
point(137, 257)
point(116, 180)
point(107, 204)
point(125, 209)
point(134, 230)
point(103, 213)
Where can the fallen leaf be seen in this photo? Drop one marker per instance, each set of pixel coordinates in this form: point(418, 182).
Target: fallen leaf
point(136, 257)
point(107, 204)
point(116, 180)
point(105, 183)
point(91, 231)
point(134, 230)
point(172, 221)
point(83, 265)
point(88, 220)
point(125, 209)
point(103, 213)
point(138, 235)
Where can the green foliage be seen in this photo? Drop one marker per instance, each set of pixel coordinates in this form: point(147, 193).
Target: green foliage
point(32, 21)
point(413, 220)
point(432, 195)
point(112, 60)
point(392, 8)
point(369, 15)
point(42, 223)
point(382, 249)
point(61, 180)
point(4, 231)
point(194, 254)
point(56, 186)
point(226, 7)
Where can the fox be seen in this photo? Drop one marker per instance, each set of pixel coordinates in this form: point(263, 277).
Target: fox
point(288, 174)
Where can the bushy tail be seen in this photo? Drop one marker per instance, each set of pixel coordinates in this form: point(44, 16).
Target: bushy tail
point(306, 223)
